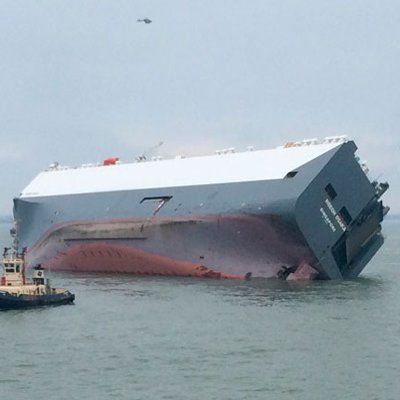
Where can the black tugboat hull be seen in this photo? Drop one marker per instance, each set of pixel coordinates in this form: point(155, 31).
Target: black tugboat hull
point(11, 302)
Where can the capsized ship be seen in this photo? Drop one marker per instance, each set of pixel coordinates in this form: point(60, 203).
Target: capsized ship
point(304, 206)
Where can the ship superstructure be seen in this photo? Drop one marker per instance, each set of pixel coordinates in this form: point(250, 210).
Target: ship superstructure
point(230, 214)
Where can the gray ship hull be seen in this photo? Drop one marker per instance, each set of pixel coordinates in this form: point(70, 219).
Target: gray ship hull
point(326, 214)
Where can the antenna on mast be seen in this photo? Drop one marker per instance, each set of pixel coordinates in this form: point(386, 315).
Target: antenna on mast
point(145, 154)
point(13, 234)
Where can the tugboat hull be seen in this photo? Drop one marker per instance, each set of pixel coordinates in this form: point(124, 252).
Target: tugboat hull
point(10, 301)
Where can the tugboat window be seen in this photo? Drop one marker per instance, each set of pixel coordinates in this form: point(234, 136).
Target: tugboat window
point(9, 268)
point(330, 191)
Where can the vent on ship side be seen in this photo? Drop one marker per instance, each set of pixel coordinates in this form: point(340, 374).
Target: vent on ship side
point(155, 198)
point(159, 200)
point(291, 174)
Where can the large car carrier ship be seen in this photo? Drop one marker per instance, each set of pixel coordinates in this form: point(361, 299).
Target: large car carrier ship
point(305, 206)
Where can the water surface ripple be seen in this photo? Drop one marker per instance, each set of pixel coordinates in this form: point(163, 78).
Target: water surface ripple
point(133, 337)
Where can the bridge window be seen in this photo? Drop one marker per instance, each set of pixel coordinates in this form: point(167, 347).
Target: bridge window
point(345, 215)
point(330, 191)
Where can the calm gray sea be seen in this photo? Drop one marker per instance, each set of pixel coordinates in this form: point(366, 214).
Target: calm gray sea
point(131, 337)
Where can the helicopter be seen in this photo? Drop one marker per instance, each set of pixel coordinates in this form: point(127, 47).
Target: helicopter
point(145, 20)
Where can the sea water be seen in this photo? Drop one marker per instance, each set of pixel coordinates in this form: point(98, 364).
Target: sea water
point(129, 337)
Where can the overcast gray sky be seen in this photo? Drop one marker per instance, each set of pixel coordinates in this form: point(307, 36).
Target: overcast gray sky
point(82, 80)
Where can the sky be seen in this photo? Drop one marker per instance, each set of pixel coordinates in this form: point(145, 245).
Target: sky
point(82, 80)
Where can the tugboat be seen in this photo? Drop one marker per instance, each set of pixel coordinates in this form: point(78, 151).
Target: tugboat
point(17, 292)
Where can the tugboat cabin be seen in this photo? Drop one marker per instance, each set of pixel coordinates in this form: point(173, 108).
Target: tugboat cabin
point(14, 272)
point(38, 277)
point(16, 292)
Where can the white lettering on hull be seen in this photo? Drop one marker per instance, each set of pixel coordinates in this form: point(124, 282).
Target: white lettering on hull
point(335, 215)
point(327, 220)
